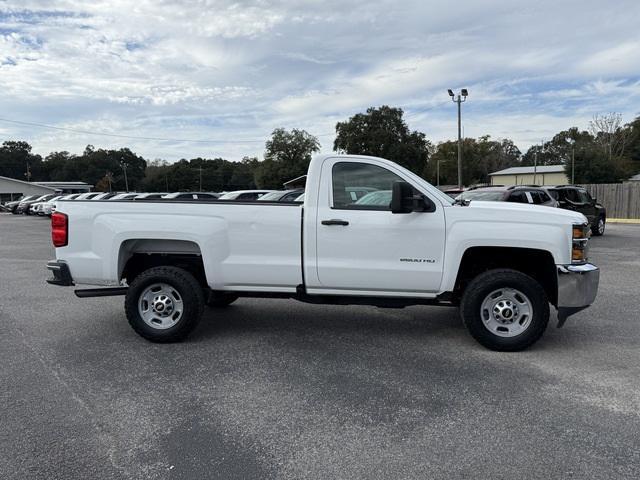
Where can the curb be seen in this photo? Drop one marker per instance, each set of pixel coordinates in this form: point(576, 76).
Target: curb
point(634, 221)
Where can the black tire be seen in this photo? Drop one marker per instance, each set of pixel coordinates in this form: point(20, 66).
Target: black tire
point(187, 288)
point(596, 229)
point(220, 300)
point(486, 283)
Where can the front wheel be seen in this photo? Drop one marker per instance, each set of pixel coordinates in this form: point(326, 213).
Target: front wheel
point(505, 310)
point(164, 304)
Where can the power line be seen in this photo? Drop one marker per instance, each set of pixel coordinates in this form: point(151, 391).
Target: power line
point(131, 137)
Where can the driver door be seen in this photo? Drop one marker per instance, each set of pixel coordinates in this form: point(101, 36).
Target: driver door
point(362, 246)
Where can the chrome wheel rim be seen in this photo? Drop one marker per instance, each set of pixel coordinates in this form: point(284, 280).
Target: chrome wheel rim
point(601, 226)
point(506, 312)
point(160, 306)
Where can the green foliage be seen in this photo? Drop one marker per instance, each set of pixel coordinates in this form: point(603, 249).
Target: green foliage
point(382, 132)
point(608, 152)
point(287, 155)
point(480, 157)
point(16, 158)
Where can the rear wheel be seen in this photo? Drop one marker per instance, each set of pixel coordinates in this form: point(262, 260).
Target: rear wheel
point(597, 229)
point(164, 304)
point(505, 310)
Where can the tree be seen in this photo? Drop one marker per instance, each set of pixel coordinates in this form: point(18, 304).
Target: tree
point(610, 134)
point(479, 158)
point(382, 132)
point(17, 161)
point(287, 155)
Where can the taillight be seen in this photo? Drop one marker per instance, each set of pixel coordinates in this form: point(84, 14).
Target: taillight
point(59, 229)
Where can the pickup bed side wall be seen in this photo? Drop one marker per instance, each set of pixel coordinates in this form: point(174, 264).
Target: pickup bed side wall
point(242, 247)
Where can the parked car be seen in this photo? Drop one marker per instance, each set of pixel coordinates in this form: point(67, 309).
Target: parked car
point(454, 192)
point(282, 195)
point(25, 205)
point(421, 248)
point(191, 196)
point(13, 205)
point(151, 196)
point(576, 198)
point(377, 198)
point(54, 204)
point(124, 196)
point(106, 195)
point(88, 195)
point(515, 193)
point(244, 195)
point(39, 208)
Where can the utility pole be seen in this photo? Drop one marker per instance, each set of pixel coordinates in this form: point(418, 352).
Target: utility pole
point(438, 172)
point(124, 167)
point(459, 99)
point(28, 173)
point(200, 168)
point(109, 176)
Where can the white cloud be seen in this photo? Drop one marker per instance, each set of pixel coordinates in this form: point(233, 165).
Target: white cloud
point(229, 70)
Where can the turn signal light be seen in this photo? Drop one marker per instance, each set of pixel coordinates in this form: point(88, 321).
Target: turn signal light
point(578, 254)
point(59, 229)
point(580, 231)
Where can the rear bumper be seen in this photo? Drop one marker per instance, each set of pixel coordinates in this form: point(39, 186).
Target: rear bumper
point(577, 288)
point(61, 274)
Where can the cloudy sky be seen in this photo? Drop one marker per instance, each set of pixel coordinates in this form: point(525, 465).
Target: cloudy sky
point(227, 73)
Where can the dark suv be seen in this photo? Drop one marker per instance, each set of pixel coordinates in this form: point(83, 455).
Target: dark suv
point(515, 193)
point(571, 197)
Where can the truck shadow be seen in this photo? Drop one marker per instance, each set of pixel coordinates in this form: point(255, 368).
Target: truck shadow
point(296, 319)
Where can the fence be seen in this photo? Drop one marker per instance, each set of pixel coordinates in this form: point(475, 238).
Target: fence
point(622, 200)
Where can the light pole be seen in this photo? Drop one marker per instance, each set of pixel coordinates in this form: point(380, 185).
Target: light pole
point(573, 161)
point(109, 176)
point(459, 99)
point(124, 168)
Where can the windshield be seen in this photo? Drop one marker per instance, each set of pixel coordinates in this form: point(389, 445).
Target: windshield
point(491, 196)
point(443, 197)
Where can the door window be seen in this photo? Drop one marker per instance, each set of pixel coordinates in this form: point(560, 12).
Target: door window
point(362, 186)
point(572, 195)
point(518, 197)
point(584, 196)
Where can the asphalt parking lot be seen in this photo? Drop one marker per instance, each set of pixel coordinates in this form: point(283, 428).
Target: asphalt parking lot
point(280, 389)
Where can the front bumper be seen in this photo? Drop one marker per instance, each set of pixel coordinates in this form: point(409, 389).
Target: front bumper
point(577, 288)
point(61, 274)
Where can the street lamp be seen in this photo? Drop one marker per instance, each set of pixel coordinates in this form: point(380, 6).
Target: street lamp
point(459, 99)
point(572, 141)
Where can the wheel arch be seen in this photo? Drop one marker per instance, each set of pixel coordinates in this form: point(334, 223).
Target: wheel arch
point(537, 263)
point(139, 254)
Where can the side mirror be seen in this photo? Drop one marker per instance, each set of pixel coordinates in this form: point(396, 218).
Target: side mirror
point(403, 200)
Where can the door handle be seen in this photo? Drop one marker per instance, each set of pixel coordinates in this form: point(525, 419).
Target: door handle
point(335, 221)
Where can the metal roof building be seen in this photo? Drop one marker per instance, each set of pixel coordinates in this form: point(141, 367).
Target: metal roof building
point(542, 175)
point(12, 188)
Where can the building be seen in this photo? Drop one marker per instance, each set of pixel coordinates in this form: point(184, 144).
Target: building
point(543, 175)
point(12, 188)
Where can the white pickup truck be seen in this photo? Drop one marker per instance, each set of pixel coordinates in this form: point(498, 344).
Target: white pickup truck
point(369, 232)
